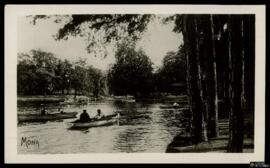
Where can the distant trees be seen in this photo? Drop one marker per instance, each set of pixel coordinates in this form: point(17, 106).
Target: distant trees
point(63, 73)
point(132, 72)
point(36, 72)
point(41, 73)
point(172, 73)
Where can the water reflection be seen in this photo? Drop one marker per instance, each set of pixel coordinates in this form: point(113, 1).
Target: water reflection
point(143, 127)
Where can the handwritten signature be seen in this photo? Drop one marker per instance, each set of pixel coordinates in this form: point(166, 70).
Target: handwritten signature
point(30, 142)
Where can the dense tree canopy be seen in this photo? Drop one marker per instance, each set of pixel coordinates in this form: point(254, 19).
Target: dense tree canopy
point(41, 73)
point(172, 74)
point(132, 72)
point(98, 29)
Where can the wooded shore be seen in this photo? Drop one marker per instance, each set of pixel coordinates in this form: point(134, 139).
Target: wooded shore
point(61, 98)
point(183, 143)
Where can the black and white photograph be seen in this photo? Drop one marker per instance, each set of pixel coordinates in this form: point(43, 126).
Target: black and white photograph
point(171, 82)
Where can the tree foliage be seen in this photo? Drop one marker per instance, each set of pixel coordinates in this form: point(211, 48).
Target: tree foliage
point(100, 29)
point(41, 73)
point(172, 72)
point(132, 72)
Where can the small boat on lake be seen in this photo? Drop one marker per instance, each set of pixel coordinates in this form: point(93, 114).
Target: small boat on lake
point(170, 107)
point(47, 117)
point(105, 121)
point(129, 100)
point(125, 99)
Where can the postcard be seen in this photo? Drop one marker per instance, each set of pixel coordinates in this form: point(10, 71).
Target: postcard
point(134, 83)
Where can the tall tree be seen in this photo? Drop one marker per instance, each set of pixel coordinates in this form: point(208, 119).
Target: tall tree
point(235, 42)
point(172, 71)
point(249, 70)
point(190, 33)
point(200, 76)
point(63, 76)
point(95, 81)
point(214, 97)
point(132, 72)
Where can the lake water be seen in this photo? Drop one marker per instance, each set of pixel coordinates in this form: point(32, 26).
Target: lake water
point(144, 127)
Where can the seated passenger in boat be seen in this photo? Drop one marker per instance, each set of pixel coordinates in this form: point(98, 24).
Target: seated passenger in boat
point(60, 110)
point(84, 117)
point(99, 115)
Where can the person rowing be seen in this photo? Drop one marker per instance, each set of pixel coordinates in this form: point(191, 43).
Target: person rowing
point(84, 117)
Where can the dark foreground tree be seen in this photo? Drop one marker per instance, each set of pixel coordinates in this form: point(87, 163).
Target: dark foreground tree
point(236, 62)
point(188, 25)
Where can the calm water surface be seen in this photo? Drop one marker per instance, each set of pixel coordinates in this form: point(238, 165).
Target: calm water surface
point(144, 127)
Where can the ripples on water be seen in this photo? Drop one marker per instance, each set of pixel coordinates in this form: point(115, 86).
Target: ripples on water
point(143, 128)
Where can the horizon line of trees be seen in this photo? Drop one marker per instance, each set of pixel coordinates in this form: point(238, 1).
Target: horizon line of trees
point(42, 73)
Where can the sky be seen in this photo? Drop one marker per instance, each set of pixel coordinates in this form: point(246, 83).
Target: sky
point(156, 42)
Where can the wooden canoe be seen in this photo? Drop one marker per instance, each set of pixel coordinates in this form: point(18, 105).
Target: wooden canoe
point(47, 117)
point(170, 107)
point(106, 121)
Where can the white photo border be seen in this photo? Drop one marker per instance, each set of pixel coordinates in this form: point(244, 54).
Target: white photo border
point(12, 12)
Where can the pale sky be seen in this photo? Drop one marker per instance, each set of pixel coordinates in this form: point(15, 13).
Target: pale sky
point(156, 42)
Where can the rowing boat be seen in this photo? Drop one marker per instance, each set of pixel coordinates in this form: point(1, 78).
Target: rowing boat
point(47, 117)
point(106, 121)
point(170, 107)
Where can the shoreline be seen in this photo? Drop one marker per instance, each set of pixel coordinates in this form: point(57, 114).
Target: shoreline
point(217, 145)
point(62, 98)
point(183, 143)
point(41, 98)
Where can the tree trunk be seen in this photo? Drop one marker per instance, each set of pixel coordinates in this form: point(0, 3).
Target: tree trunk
point(207, 58)
point(215, 131)
point(235, 47)
point(243, 101)
point(199, 81)
point(190, 42)
point(188, 76)
point(249, 79)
